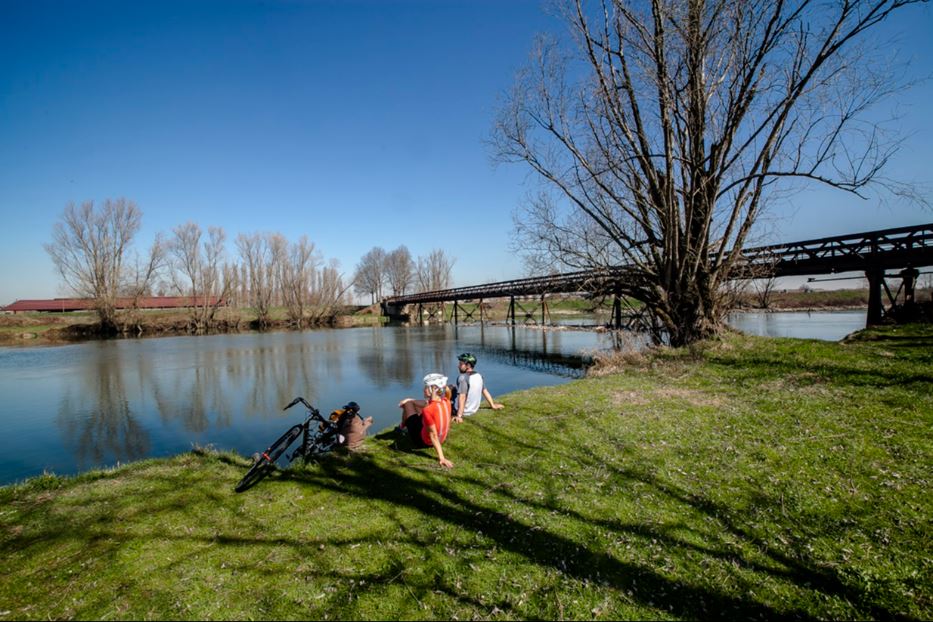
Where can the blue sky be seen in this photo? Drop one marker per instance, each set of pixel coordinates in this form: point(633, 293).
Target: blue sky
point(356, 123)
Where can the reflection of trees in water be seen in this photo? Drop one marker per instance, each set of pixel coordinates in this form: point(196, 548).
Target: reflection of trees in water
point(403, 364)
point(373, 360)
point(401, 355)
point(384, 363)
point(443, 360)
point(256, 379)
point(195, 397)
point(110, 431)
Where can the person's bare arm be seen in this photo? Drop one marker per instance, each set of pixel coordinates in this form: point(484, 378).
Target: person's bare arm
point(436, 442)
point(461, 402)
point(420, 404)
point(492, 403)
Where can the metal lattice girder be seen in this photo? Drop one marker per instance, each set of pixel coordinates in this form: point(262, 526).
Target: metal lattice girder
point(570, 283)
point(888, 248)
point(884, 249)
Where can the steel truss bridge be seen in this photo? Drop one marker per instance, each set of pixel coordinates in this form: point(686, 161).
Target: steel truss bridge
point(874, 252)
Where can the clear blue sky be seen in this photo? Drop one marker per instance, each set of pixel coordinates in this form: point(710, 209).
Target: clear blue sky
point(356, 123)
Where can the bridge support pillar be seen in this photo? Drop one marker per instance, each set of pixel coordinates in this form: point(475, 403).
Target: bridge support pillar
point(875, 277)
point(510, 317)
point(456, 317)
point(909, 279)
point(616, 312)
point(394, 312)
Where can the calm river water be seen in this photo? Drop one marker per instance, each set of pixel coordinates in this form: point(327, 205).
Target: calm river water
point(71, 408)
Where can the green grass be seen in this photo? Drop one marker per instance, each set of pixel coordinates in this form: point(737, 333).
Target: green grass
point(745, 477)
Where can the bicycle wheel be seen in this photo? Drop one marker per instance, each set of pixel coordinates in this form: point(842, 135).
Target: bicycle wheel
point(266, 460)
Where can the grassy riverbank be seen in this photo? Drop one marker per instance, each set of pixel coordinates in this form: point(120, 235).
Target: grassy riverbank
point(35, 328)
point(747, 477)
point(52, 328)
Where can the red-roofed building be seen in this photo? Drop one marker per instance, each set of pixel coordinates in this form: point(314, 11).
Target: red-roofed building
point(62, 305)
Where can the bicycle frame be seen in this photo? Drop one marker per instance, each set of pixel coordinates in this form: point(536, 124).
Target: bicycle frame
point(319, 442)
point(306, 436)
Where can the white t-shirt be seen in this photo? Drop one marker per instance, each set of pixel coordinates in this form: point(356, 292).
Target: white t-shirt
point(470, 385)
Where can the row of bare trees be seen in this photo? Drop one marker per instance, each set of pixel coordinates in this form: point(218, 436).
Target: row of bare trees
point(292, 275)
point(395, 273)
point(93, 250)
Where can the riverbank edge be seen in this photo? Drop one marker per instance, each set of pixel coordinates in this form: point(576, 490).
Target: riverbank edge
point(56, 329)
point(85, 332)
point(703, 498)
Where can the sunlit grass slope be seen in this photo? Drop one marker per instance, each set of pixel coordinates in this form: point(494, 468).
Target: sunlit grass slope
point(746, 477)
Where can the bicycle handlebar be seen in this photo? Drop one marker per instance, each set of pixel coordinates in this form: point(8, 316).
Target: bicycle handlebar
point(311, 409)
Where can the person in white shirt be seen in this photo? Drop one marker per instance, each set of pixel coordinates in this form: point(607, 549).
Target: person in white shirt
point(470, 389)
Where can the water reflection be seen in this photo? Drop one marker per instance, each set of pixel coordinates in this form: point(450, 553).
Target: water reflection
point(122, 400)
point(96, 419)
point(829, 326)
point(528, 349)
point(387, 359)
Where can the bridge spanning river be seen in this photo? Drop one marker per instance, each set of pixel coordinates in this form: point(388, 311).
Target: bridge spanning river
point(874, 252)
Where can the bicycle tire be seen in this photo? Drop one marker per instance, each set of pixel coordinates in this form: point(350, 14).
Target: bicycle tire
point(252, 477)
point(267, 459)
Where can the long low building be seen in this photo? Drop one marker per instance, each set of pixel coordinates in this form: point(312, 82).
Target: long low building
point(62, 305)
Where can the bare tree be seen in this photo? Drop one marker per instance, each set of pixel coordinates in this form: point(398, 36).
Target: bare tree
point(660, 137)
point(327, 293)
point(231, 274)
point(197, 271)
point(141, 275)
point(399, 270)
point(259, 255)
point(297, 270)
point(89, 247)
point(764, 289)
point(369, 277)
point(434, 271)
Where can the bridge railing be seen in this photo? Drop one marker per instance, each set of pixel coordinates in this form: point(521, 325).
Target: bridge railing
point(884, 249)
point(569, 282)
point(896, 247)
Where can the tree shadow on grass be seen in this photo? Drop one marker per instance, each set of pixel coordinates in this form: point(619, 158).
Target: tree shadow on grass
point(727, 534)
point(429, 493)
point(368, 479)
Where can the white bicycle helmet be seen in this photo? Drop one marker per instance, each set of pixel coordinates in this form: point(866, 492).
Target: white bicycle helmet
point(435, 380)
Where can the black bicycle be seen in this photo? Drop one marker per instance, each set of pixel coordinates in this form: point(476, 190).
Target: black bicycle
point(314, 443)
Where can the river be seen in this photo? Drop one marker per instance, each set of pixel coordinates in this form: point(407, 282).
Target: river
point(70, 408)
